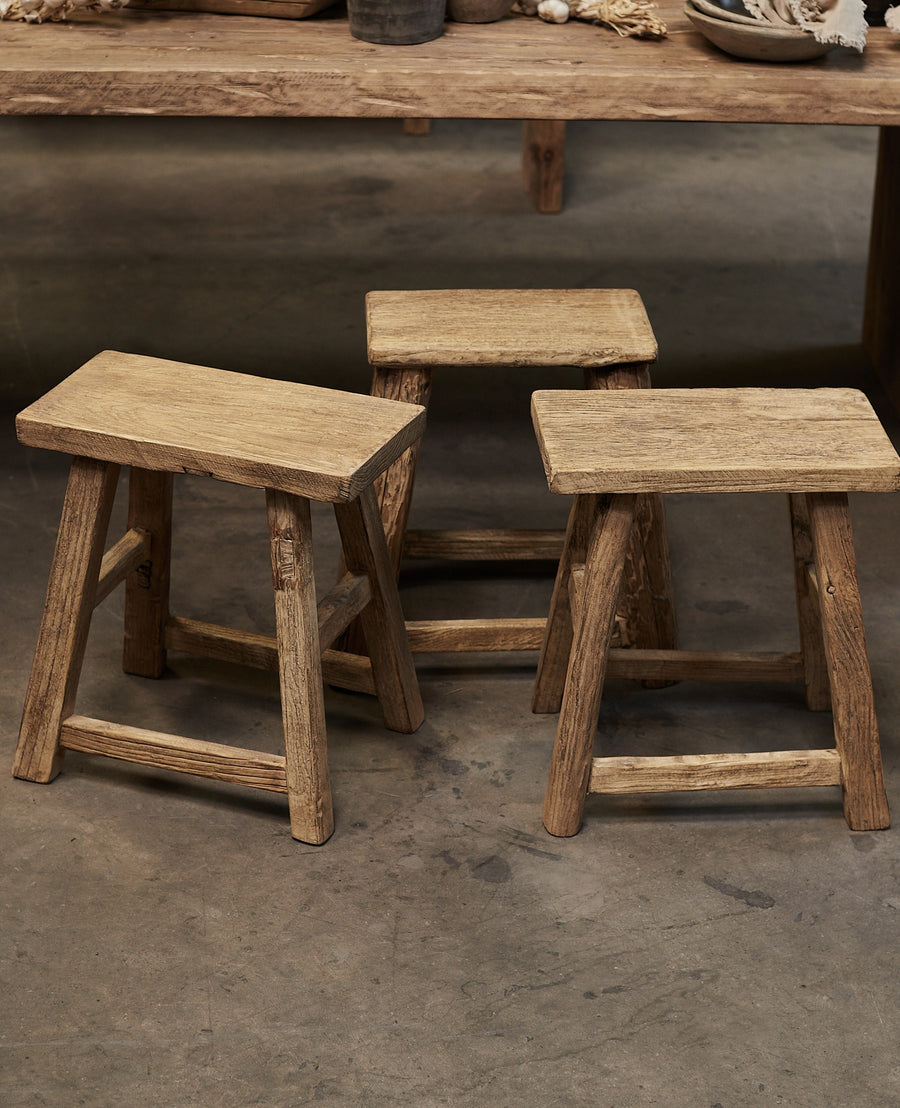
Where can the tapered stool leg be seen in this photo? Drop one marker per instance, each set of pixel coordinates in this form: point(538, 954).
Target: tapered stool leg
point(570, 767)
point(557, 645)
point(50, 697)
point(147, 587)
point(855, 726)
point(393, 671)
point(300, 668)
point(647, 603)
point(394, 488)
point(812, 646)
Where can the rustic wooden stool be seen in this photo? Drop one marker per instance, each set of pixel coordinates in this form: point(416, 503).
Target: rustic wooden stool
point(300, 444)
point(604, 331)
point(609, 448)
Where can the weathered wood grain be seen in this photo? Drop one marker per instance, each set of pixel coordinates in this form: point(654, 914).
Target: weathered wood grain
point(556, 646)
point(495, 545)
point(646, 609)
point(393, 488)
point(147, 586)
point(713, 440)
point(300, 669)
point(571, 761)
point(341, 605)
point(121, 558)
point(127, 63)
point(222, 644)
point(66, 620)
point(806, 589)
point(366, 552)
point(162, 415)
point(852, 702)
point(174, 752)
point(780, 769)
point(496, 634)
point(507, 327)
point(704, 665)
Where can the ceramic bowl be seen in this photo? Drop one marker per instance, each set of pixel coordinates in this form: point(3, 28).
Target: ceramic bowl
point(760, 43)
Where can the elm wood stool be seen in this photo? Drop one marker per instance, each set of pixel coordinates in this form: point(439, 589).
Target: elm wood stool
point(604, 331)
point(607, 449)
point(299, 443)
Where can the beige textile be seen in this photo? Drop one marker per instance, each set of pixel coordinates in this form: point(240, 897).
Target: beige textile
point(841, 22)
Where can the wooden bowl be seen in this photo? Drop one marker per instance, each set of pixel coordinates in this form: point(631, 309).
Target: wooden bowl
point(761, 43)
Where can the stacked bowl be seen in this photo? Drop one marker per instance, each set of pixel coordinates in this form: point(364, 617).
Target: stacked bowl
point(729, 25)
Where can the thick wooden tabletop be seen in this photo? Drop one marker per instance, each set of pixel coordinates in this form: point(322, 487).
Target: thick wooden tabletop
point(160, 63)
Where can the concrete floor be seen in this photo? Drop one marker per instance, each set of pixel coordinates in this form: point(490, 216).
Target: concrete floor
point(165, 941)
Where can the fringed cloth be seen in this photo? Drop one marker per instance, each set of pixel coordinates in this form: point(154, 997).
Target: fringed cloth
point(837, 22)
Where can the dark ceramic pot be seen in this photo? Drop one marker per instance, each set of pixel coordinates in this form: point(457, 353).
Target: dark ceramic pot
point(396, 22)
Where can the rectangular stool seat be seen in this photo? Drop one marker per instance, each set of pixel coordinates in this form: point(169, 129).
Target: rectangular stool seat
point(163, 415)
point(713, 440)
point(508, 327)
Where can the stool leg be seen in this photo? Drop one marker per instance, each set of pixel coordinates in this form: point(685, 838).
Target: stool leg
point(557, 645)
point(855, 726)
point(300, 668)
point(394, 488)
point(50, 697)
point(570, 768)
point(365, 551)
point(812, 647)
point(647, 602)
point(147, 588)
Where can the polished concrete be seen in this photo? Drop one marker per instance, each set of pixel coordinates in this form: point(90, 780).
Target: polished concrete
point(165, 941)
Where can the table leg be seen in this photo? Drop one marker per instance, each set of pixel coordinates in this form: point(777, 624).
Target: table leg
point(881, 322)
point(543, 158)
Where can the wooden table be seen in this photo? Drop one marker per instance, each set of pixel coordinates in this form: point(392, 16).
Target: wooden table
point(142, 63)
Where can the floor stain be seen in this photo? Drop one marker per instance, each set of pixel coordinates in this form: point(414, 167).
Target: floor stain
point(755, 899)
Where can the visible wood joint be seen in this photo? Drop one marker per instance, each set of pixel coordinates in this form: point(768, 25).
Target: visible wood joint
point(341, 606)
point(126, 555)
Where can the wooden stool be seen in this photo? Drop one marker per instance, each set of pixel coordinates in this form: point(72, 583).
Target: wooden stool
point(604, 331)
point(300, 444)
point(609, 448)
